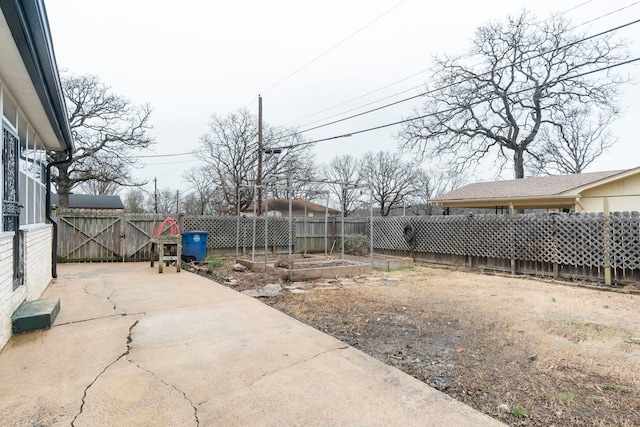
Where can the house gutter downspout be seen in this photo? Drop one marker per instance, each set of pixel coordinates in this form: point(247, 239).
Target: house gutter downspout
point(54, 244)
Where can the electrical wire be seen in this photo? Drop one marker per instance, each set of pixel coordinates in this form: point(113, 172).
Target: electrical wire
point(564, 12)
point(453, 84)
point(413, 75)
point(349, 134)
point(332, 48)
point(606, 14)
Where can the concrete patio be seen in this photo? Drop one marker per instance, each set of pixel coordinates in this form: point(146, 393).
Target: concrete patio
point(132, 347)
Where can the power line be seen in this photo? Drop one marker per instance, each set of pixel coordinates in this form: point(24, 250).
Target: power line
point(453, 84)
point(331, 48)
point(362, 96)
point(455, 108)
point(607, 14)
point(425, 93)
point(149, 156)
point(402, 80)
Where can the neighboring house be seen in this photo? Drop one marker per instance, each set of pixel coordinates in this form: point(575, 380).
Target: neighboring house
point(612, 191)
point(90, 201)
point(34, 120)
point(280, 208)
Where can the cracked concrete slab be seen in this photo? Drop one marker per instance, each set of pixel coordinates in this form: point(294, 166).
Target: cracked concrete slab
point(44, 373)
point(89, 297)
point(199, 354)
point(125, 393)
point(343, 387)
point(224, 347)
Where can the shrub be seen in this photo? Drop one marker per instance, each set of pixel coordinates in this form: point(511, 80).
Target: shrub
point(213, 263)
point(356, 244)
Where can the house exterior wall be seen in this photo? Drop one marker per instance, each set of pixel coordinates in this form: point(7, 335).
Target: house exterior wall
point(623, 195)
point(37, 241)
point(36, 235)
point(7, 295)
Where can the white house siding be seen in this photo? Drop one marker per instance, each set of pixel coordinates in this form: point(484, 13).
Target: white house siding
point(37, 274)
point(9, 299)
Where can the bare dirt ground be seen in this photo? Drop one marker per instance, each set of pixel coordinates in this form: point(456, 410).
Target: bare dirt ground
point(525, 351)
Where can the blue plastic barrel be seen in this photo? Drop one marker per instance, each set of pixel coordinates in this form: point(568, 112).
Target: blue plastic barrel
point(194, 245)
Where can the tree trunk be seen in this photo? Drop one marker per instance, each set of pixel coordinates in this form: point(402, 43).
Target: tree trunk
point(518, 163)
point(63, 186)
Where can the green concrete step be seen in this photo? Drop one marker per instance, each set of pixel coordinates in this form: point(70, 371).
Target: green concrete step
point(37, 314)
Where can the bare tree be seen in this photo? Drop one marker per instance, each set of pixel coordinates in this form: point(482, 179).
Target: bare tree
point(391, 179)
point(204, 197)
point(134, 201)
point(430, 184)
point(100, 187)
point(345, 168)
point(107, 129)
point(576, 141)
point(517, 77)
point(166, 201)
point(230, 148)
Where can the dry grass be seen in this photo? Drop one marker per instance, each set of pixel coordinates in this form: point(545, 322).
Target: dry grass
point(523, 351)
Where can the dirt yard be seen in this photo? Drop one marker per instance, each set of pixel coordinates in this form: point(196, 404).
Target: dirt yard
point(524, 351)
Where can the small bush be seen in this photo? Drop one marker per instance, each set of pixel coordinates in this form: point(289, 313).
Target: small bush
point(356, 244)
point(213, 263)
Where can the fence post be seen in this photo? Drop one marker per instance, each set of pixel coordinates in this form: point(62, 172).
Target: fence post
point(512, 215)
point(123, 236)
point(607, 241)
point(466, 240)
point(556, 268)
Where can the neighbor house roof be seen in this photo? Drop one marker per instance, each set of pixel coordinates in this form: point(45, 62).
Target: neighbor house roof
point(547, 191)
point(29, 71)
point(282, 205)
point(90, 201)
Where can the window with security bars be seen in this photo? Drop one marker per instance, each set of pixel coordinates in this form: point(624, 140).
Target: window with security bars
point(10, 205)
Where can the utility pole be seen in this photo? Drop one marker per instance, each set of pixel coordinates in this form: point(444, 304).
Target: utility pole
point(155, 192)
point(259, 177)
point(177, 201)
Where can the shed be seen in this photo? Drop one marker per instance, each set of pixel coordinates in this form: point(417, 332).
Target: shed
point(613, 191)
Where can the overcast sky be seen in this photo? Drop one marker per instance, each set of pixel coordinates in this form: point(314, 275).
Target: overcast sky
point(192, 58)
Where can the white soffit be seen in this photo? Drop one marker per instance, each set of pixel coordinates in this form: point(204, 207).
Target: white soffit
point(16, 79)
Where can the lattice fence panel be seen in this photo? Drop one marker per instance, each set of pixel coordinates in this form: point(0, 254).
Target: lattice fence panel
point(580, 239)
point(625, 240)
point(489, 236)
point(224, 232)
point(440, 234)
point(534, 237)
point(388, 233)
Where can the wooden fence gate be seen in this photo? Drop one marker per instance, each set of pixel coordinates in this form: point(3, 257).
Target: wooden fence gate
point(89, 235)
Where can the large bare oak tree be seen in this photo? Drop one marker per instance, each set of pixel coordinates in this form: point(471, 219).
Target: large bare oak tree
point(107, 130)
point(517, 78)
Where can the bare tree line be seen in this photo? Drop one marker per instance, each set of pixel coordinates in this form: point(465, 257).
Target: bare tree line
point(527, 97)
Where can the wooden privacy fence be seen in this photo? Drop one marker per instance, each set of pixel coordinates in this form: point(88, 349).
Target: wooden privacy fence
point(567, 245)
point(103, 235)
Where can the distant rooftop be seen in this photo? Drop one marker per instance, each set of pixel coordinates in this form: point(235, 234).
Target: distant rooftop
point(90, 201)
point(528, 187)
